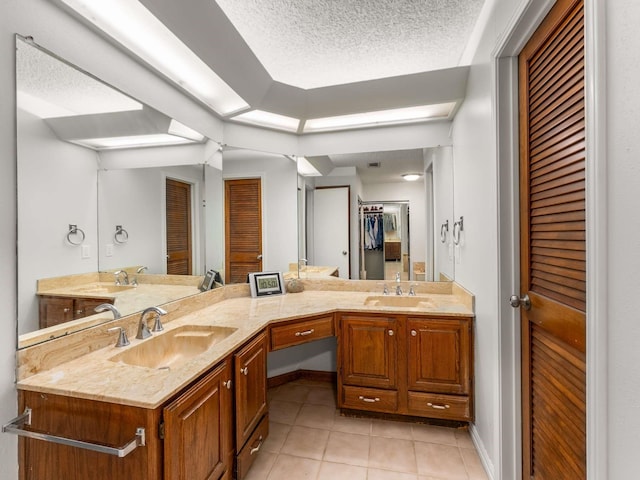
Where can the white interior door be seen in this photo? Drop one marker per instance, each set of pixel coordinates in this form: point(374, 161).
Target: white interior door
point(331, 228)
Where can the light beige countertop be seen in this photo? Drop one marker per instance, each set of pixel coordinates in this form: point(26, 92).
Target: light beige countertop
point(80, 365)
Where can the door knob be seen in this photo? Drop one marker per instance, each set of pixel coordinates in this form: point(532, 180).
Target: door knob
point(344, 252)
point(524, 301)
point(259, 257)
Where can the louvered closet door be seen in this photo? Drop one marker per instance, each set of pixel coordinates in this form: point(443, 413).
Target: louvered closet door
point(243, 229)
point(553, 249)
point(178, 206)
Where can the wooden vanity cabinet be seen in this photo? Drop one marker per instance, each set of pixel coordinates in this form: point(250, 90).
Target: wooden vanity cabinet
point(296, 332)
point(412, 365)
point(190, 438)
point(368, 362)
point(252, 423)
point(198, 430)
point(54, 310)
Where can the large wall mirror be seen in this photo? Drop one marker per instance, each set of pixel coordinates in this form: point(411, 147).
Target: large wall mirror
point(358, 212)
point(91, 199)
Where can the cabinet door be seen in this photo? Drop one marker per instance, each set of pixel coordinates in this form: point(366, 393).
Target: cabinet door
point(83, 307)
point(251, 387)
point(198, 429)
point(55, 310)
point(439, 355)
point(369, 351)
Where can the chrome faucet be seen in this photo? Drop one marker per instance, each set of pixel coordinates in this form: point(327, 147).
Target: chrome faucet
point(126, 277)
point(302, 263)
point(138, 271)
point(143, 328)
point(398, 287)
point(103, 307)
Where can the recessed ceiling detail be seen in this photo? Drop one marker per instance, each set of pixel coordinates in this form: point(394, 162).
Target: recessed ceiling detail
point(317, 43)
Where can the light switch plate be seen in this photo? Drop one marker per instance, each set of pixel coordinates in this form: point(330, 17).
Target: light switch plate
point(86, 251)
point(108, 250)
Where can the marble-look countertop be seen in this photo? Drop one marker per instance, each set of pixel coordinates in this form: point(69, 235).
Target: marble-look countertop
point(84, 369)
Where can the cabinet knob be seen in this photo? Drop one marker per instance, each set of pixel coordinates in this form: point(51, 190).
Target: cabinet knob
point(413, 333)
point(244, 371)
point(391, 333)
point(79, 312)
point(227, 383)
point(66, 310)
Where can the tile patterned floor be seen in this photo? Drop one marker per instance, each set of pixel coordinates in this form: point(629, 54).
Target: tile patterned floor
point(308, 439)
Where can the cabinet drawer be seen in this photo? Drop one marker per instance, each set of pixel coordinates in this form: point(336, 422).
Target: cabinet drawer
point(373, 399)
point(250, 451)
point(298, 332)
point(451, 407)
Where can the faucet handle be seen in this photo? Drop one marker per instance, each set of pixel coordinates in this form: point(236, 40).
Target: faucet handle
point(123, 340)
point(157, 325)
point(412, 291)
point(385, 289)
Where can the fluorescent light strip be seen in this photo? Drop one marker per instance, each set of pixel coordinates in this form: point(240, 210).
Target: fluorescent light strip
point(268, 119)
point(382, 117)
point(131, 24)
point(132, 142)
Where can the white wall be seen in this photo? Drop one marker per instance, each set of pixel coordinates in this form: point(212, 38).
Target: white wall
point(623, 118)
point(58, 183)
point(279, 202)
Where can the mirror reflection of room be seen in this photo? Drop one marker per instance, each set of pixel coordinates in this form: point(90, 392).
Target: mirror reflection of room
point(385, 241)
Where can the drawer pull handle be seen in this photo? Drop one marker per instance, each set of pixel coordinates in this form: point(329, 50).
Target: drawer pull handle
point(369, 400)
point(305, 333)
point(438, 406)
point(227, 383)
point(244, 371)
point(257, 444)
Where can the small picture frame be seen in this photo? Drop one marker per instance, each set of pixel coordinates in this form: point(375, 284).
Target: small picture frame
point(266, 283)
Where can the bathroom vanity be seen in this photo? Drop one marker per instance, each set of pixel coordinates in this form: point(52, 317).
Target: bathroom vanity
point(190, 402)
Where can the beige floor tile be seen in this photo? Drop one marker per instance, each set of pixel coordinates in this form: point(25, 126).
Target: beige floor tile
point(386, 428)
point(288, 467)
point(316, 416)
point(306, 442)
point(277, 435)
point(347, 448)
point(321, 396)
point(261, 466)
point(291, 392)
point(392, 454)
point(474, 465)
point(338, 471)
point(375, 474)
point(433, 434)
point(283, 412)
point(463, 437)
point(360, 426)
point(440, 461)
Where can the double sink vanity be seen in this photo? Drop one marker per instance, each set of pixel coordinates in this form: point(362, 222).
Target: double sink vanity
point(190, 401)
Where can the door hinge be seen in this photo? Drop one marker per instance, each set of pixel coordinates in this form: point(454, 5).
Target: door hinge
point(161, 430)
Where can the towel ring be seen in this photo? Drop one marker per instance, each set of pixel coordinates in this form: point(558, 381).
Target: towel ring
point(457, 228)
point(444, 229)
point(74, 230)
point(121, 236)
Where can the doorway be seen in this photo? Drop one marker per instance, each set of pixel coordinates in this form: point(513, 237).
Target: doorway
point(243, 228)
point(178, 201)
point(384, 241)
point(331, 231)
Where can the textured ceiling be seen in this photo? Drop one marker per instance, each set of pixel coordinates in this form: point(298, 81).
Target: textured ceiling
point(65, 89)
point(317, 43)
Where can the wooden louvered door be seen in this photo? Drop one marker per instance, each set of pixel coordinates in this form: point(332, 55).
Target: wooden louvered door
point(178, 213)
point(553, 248)
point(243, 228)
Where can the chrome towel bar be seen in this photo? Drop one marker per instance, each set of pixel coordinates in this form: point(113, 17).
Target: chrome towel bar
point(15, 427)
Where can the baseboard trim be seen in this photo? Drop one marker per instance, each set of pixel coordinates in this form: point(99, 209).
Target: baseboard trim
point(482, 452)
point(314, 375)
